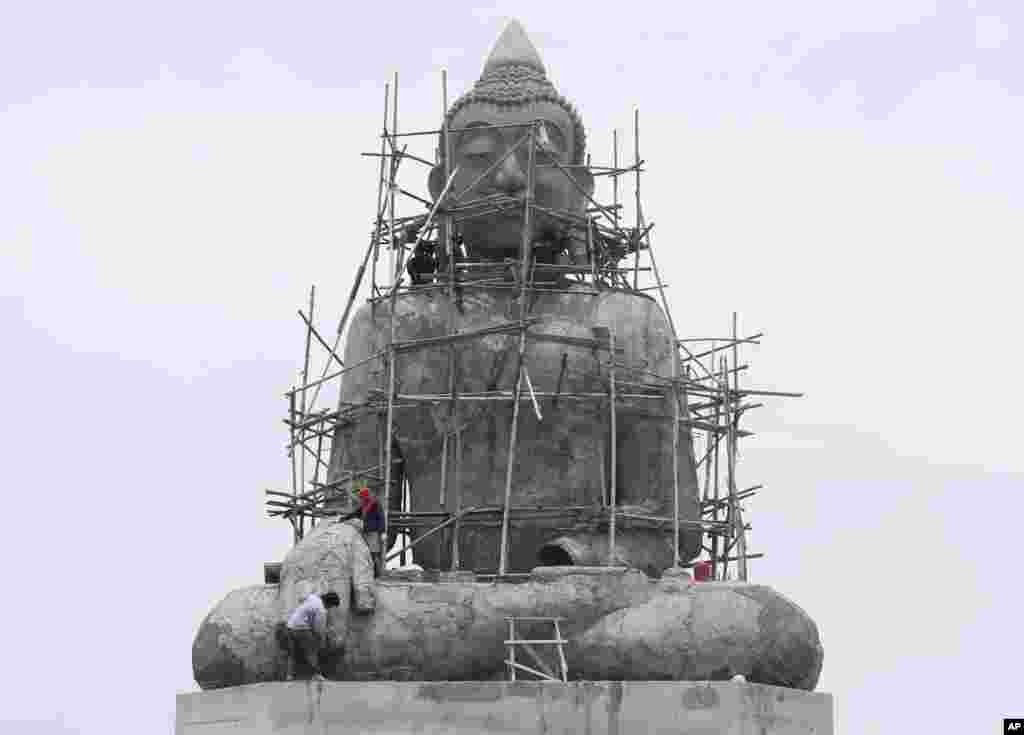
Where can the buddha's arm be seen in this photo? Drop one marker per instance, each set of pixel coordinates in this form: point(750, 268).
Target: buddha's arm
point(357, 438)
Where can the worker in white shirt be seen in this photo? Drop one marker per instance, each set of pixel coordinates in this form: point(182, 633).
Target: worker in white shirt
point(307, 631)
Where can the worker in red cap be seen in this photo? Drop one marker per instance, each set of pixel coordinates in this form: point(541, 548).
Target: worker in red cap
point(703, 571)
point(373, 525)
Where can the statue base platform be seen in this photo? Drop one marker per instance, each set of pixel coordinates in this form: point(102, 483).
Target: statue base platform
point(462, 708)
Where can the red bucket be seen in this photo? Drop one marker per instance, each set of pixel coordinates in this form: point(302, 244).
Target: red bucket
point(702, 571)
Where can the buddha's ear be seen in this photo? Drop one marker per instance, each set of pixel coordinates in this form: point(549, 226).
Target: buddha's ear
point(436, 182)
point(583, 176)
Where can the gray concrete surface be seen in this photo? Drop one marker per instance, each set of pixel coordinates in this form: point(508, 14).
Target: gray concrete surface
point(461, 708)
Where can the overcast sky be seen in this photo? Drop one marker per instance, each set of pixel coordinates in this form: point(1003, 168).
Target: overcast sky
point(845, 175)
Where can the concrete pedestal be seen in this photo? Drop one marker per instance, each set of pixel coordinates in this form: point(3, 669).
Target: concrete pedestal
point(465, 708)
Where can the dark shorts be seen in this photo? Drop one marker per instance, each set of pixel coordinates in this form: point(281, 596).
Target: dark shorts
point(303, 646)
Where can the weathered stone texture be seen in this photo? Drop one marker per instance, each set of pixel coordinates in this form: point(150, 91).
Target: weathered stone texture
point(706, 631)
point(562, 460)
point(335, 557)
point(235, 643)
point(620, 626)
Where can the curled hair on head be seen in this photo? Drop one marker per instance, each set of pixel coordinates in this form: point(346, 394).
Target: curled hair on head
point(330, 599)
point(515, 85)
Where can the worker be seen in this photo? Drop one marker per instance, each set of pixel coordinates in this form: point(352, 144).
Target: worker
point(423, 264)
point(306, 633)
point(703, 571)
point(373, 525)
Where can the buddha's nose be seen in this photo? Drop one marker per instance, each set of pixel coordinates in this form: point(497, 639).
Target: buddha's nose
point(509, 176)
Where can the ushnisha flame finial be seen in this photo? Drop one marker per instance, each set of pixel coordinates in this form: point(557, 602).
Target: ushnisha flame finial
point(514, 47)
point(514, 75)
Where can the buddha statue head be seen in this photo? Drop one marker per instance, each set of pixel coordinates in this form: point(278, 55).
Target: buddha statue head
point(492, 118)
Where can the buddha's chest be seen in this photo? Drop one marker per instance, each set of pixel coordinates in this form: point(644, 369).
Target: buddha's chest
point(478, 341)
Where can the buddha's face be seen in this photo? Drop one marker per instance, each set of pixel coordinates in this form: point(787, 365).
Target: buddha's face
point(481, 145)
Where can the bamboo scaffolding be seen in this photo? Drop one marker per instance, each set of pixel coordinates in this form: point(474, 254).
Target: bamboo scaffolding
point(399, 155)
point(332, 355)
point(713, 419)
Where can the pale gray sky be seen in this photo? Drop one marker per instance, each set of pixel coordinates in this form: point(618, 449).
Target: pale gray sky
point(845, 175)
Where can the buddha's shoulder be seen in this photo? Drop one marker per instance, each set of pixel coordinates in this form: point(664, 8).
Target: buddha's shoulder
point(583, 298)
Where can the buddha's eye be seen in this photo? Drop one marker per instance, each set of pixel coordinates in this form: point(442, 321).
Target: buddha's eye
point(477, 151)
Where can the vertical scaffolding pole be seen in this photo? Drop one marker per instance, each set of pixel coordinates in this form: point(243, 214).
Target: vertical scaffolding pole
point(615, 177)
point(305, 382)
point(389, 413)
point(719, 573)
point(296, 522)
point(592, 252)
point(675, 453)
point(636, 163)
point(380, 195)
point(525, 251)
point(612, 557)
point(451, 430)
point(394, 147)
point(741, 532)
point(730, 515)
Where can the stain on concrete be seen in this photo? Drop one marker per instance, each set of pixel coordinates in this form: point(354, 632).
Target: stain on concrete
point(700, 697)
point(460, 692)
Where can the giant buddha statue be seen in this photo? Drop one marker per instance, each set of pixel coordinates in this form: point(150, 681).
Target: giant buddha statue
point(564, 449)
point(619, 620)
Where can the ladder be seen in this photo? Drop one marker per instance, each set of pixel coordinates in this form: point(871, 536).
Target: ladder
point(544, 673)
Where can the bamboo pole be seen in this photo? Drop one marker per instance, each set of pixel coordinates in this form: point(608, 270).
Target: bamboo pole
point(525, 257)
point(391, 367)
point(615, 178)
point(380, 195)
point(592, 252)
point(332, 376)
point(503, 557)
point(402, 154)
point(733, 427)
point(636, 153)
point(614, 472)
point(305, 380)
point(431, 532)
point(391, 188)
point(331, 354)
point(405, 507)
point(675, 459)
point(718, 574)
point(600, 207)
point(533, 396)
point(729, 343)
point(297, 535)
point(449, 246)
